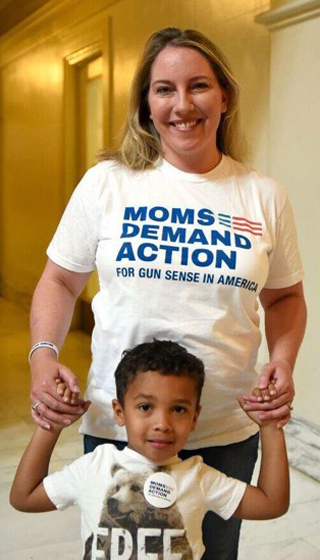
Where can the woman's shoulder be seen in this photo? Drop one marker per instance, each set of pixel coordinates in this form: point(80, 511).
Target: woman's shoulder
point(254, 180)
point(105, 168)
point(99, 179)
point(112, 168)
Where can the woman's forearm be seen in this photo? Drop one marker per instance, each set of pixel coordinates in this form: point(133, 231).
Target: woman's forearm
point(51, 315)
point(53, 303)
point(51, 312)
point(285, 323)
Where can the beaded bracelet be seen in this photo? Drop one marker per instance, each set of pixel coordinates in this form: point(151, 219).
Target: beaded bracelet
point(43, 344)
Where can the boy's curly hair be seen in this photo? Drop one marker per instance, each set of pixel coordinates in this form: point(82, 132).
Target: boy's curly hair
point(165, 357)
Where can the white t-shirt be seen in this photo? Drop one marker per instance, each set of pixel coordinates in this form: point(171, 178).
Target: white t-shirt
point(108, 486)
point(180, 256)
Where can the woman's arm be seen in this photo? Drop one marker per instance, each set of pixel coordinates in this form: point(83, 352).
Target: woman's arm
point(285, 322)
point(51, 313)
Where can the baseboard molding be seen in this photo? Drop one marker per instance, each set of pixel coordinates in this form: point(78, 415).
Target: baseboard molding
point(303, 444)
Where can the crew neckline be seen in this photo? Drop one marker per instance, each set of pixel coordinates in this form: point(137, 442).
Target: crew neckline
point(142, 459)
point(217, 171)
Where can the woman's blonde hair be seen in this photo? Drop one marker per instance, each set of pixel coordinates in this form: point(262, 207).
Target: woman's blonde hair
point(140, 145)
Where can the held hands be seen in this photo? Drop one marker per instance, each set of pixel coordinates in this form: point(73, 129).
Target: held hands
point(50, 406)
point(72, 398)
point(63, 390)
point(262, 395)
point(272, 400)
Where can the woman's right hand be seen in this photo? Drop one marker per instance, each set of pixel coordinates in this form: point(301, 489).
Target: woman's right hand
point(53, 407)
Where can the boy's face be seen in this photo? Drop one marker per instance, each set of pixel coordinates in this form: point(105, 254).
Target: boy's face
point(159, 412)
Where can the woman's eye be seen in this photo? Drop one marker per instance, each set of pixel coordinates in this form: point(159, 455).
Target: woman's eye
point(200, 85)
point(163, 90)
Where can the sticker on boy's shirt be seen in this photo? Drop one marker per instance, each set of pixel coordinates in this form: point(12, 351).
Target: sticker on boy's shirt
point(160, 490)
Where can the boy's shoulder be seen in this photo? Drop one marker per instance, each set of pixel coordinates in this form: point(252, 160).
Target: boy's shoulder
point(97, 459)
point(206, 475)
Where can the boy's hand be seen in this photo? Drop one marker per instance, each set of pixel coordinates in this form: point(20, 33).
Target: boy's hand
point(70, 398)
point(265, 395)
point(262, 395)
point(64, 392)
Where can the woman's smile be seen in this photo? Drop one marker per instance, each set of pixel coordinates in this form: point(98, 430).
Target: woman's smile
point(186, 125)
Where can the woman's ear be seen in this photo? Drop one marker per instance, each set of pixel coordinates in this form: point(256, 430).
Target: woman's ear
point(225, 99)
point(118, 412)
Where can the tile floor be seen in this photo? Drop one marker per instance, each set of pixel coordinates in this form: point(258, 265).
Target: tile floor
point(55, 536)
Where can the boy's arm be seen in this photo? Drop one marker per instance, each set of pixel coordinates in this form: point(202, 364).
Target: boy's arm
point(27, 491)
point(270, 498)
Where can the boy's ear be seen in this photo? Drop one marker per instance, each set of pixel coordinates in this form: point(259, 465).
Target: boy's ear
point(195, 418)
point(118, 412)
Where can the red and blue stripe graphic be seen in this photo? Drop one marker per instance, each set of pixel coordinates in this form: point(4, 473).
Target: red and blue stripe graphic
point(240, 224)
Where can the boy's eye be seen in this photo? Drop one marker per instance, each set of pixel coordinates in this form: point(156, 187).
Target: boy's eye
point(144, 407)
point(180, 409)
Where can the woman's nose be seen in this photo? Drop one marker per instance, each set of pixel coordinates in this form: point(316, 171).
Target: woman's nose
point(184, 102)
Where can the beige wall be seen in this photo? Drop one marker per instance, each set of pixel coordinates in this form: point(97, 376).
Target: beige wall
point(294, 159)
point(37, 171)
point(37, 166)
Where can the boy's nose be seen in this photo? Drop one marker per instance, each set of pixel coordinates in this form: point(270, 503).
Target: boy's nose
point(162, 422)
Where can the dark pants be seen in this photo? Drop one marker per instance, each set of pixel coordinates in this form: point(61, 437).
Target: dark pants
point(221, 538)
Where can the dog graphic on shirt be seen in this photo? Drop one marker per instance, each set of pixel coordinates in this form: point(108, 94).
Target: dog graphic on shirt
point(131, 528)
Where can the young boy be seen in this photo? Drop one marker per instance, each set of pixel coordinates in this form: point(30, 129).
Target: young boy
point(144, 503)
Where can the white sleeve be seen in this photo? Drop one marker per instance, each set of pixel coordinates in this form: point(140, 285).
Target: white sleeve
point(74, 243)
point(65, 487)
point(285, 266)
point(222, 494)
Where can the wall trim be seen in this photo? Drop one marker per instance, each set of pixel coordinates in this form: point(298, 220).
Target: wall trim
point(43, 23)
point(303, 445)
point(289, 13)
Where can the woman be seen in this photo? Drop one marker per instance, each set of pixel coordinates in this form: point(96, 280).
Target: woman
point(185, 238)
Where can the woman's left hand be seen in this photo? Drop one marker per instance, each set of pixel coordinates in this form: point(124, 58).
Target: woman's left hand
point(278, 405)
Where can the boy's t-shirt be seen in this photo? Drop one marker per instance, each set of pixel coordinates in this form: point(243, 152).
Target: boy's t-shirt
point(119, 523)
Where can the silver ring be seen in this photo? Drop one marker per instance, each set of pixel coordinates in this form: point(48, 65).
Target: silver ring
point(35, 406)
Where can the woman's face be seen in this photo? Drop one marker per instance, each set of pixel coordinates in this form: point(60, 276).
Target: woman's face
point(186, 103)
